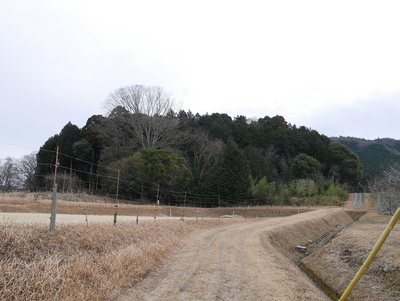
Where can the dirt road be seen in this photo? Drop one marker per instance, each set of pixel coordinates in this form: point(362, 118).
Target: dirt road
point(358, 200)
point(231, 263)
point(44, 218)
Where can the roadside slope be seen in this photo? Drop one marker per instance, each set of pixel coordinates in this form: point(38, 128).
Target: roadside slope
point(337, 262)
point(237, 262)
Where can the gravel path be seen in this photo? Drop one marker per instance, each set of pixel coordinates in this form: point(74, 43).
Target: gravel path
point(231, 263)
point(44, 218)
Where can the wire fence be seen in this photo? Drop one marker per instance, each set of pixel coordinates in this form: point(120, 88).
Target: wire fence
point(85, 177)
point(89, 189)
point(86, 206)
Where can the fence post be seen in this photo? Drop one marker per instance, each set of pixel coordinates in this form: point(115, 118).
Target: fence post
point(54, 202)
point(53, 210)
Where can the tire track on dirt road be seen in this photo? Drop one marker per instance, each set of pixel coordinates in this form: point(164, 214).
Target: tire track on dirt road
point(231, 263)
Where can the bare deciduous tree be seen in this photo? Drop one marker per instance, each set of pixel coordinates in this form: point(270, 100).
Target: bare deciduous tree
point(149, 120)
point(272, 157)
point(26, 168)
point(386, 190)
point(138, 99)
point(207, 153)
point(8, 175)
point(66, 182)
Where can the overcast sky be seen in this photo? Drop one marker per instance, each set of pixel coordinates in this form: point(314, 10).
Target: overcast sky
point(333, 66)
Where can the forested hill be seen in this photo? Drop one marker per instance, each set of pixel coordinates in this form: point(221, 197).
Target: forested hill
point(150, 149)
point(375, 155)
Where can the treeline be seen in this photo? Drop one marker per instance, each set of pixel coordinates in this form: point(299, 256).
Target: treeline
point(147, 149)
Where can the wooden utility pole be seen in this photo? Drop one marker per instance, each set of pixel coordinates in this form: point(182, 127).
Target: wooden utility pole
point(54, 203)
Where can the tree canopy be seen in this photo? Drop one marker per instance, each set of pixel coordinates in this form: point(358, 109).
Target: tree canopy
point(148, 140)
point(344, 164)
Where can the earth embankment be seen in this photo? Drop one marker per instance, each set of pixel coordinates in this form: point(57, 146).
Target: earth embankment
point(337, 262)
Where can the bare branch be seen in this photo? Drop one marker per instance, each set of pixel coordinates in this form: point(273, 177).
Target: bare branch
point(144, 117)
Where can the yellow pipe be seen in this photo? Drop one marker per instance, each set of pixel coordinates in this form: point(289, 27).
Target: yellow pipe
point(371, 256)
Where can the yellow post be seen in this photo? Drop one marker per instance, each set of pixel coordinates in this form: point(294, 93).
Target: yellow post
point(371, 256)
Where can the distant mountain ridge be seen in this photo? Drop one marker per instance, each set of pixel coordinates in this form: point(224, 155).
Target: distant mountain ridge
point(375, 155)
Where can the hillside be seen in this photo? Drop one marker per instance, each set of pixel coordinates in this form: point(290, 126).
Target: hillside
point(374, 155)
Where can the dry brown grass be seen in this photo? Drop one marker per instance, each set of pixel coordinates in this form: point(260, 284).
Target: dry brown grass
point(71, 204)
point(337, 262)
point(84, 263)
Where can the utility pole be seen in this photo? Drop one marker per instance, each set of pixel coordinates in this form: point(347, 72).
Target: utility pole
point(54, 202)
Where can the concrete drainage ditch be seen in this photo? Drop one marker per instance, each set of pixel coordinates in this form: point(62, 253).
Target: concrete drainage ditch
point(312, 245)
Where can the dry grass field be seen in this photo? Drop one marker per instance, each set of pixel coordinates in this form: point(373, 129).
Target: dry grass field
point(79, 262)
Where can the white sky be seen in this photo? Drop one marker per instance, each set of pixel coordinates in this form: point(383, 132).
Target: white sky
point(333, 66)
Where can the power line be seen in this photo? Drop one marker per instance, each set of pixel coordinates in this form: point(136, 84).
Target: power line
point(135, 181)
point(18, 145)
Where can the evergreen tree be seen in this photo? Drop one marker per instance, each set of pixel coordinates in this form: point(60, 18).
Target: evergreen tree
point(305, 167)
point(218, 125)
point(257, 163)
point(234, 180)
point(344, 164)
point(151, 167)
point(46, 158)
point(68, 136)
